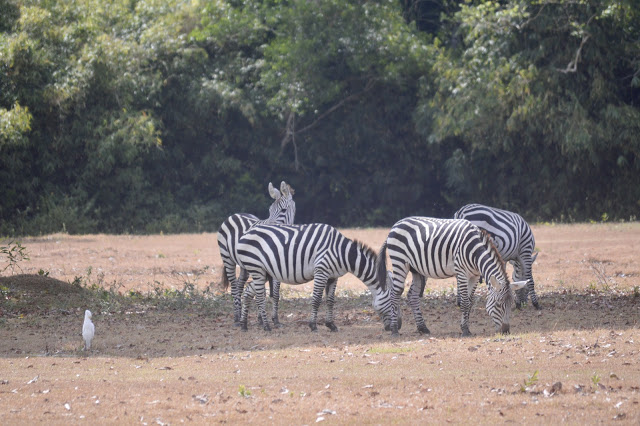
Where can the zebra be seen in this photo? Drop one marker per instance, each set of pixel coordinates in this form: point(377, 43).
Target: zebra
point(296, 254)
point(514, 240)
point(443, 248)
point(283, 210)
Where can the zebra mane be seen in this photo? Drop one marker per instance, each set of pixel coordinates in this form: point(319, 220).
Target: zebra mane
point(365, 248)
point(486, 238)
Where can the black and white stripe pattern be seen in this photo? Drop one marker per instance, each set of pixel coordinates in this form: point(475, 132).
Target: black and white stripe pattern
point(443, 248)
point(282, 210)
point(296, 254)
point(514, 240)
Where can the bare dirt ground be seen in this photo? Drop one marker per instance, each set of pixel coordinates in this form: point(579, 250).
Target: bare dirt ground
point(164, 354)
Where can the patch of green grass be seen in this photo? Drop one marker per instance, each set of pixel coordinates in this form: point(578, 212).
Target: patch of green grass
point(531, 380)
point(595, 380)
point(244, 392)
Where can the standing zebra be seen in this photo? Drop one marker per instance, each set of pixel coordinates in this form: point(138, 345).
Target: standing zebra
point(283, 210)
point(443, 248)
point(514, 240)
point(297, 254)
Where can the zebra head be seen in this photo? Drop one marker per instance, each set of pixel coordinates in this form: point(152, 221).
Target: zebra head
point(283, 209)
point(382, 300)
point(500, 300)
point(383, 306)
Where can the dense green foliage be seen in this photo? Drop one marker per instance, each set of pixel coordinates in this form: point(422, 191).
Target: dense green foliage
point(148, 115)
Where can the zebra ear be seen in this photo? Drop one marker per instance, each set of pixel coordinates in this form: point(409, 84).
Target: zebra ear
point(275, 194)
point(284, 189)
point(518, 285)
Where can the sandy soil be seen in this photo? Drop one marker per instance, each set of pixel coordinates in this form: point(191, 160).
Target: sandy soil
point(574, 361)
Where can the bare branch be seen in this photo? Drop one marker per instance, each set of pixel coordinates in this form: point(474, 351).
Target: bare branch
point(573, 65)
point(528, 21)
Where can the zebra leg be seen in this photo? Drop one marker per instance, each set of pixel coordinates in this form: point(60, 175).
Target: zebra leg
point(318, 289)
point(399, 275)
point(237, 288)
point(330, 289)
point(261, 302)
point(270, 281)
point(466, 289)
point(230, 272)
point(247, 296)
point(275, 299)
point(414, 296)
point(527, 262)
point(532, 293)
point(518, 275)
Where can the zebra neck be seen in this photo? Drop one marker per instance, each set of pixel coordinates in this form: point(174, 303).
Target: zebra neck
point(361, 263)
point(489, 266)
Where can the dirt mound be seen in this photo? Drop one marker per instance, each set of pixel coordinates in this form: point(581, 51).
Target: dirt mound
point(26, 294)
point(29, 283)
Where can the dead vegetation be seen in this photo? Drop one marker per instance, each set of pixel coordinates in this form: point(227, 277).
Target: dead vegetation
point(167, 352)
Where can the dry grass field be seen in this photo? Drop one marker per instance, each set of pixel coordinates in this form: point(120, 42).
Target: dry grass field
point(166, 351)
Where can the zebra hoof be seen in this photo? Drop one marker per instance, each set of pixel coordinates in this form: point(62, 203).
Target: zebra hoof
point(267, 328)
point(466, 333)
point(277, 324)
point(244, 327)
point(423, 330)
point(313, 327)
point(260, 320)
point(537, 306)
point(331, 326)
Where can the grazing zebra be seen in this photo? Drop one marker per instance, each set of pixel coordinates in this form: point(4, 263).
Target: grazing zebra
point(514, 240)
point(283, 210)
point(296, 254)
point(443, 248)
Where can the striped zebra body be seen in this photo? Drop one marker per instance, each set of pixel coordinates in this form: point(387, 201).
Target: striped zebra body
point(514, 240)
point(297, 254)
point(282, 210)
point(443, 248)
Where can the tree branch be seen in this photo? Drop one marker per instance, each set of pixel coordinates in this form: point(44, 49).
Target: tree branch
point(573, 65)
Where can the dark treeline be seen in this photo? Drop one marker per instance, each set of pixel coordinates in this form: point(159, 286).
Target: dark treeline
point(168, 115)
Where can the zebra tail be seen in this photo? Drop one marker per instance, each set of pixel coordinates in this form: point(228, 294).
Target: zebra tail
point(224, 285)
point(382, 267)
point(270, 278)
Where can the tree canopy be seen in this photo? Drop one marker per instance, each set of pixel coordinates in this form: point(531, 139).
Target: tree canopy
point(144, 116)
